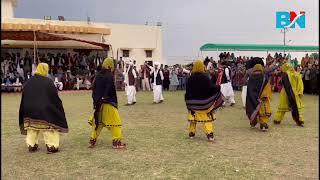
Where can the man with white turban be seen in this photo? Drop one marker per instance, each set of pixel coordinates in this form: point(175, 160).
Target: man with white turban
point(130, 76)
point(157, 79)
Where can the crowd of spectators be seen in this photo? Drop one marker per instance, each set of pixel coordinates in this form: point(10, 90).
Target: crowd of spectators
point(309, 69)
point(76, 71)
point(68, 71)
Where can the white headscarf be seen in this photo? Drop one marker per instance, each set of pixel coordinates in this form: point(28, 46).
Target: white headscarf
point(156, 63)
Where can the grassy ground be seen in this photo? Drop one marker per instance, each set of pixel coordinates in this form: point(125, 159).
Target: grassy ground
point(158, 145)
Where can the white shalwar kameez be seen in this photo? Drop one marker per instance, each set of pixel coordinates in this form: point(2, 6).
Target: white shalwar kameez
point(130, 89)
point(244, 95)
point(157, 89)
point(226, 89)
point(59, 85)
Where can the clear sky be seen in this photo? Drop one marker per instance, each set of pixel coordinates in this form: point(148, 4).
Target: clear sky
point(188, 24)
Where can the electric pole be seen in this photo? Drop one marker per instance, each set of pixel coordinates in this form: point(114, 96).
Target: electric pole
point(284, 30)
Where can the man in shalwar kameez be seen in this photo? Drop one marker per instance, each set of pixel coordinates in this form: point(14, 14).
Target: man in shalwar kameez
point(157, 81)
point(226, 86)
point(105, 103)
point(202, 99)
point(130, 76)
point(41, 110)
point(290, 95)
point(258, 108)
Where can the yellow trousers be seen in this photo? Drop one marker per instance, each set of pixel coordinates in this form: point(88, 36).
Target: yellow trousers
point(280, 114)
point(116, 132)
point(51, 137)
point(263, 119)
point(207, 127)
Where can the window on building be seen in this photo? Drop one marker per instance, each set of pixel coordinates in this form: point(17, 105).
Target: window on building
point(125, 53)
point(149, 53)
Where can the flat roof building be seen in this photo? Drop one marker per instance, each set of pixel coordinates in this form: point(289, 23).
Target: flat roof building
point(135, 42)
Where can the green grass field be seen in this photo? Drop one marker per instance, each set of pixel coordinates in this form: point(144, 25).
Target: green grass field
point(158, 147)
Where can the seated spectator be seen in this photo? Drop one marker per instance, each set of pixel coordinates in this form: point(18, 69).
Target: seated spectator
point(68, 80)
point(7, 81)
point(18, 85)
point(83, 82)
point(58, 84)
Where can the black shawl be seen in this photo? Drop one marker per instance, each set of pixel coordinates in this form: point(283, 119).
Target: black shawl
point(256, 84)
point(202, 93)
point(103, 89)
point(291, 98)
point(40, 104)
point(252, 62)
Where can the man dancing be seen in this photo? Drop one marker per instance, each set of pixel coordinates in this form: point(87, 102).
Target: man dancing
point(290, 95)
point(41, 110)
point(157, 79)
point(145, 76)
point(130, 76)
point(202, 98)
point(226, 86)
point(105, 103)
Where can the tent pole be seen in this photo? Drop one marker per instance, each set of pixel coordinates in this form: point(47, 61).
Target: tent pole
point(34, 47)
point(111, 51)
point(217, 54)
point(117, 53)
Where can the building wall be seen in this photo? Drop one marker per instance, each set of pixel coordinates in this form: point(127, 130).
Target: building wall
point(7, 7)
point(137, 39)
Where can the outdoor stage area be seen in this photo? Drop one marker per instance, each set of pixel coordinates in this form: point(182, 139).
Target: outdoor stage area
point(158, 147)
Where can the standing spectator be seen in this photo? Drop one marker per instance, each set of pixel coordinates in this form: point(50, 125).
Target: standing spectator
point(269, 60)
point(138, 82)
point(97, 60)
point(166, 80)
point(50, 75)
point(306, 78)
point(120, 64)
point(314, 73)
point(145, 75)
point(174, 82)
point(294, 62)
point(27, 64)
point(83, 62)
point(19, 61)
point(69, 61)
point(304, 61)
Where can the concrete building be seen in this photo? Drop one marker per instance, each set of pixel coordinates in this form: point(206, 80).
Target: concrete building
point(135, 42)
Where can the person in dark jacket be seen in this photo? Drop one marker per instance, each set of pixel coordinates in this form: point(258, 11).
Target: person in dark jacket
point(105, 103)
point(202, 99)
point(41, 110)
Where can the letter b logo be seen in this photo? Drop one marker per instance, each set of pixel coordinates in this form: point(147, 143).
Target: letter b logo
point(282, 19)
